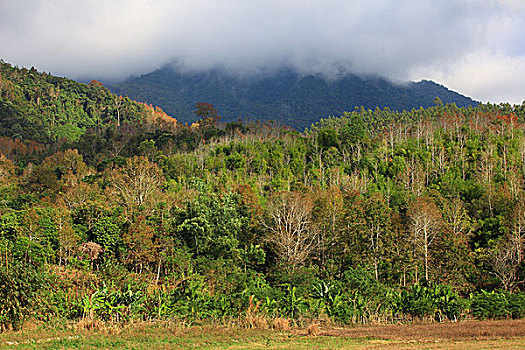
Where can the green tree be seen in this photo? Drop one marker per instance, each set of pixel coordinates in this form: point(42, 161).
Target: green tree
point(107, 233)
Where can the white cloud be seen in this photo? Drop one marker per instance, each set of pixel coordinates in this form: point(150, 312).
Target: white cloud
point(487, 77)
point(111, 39)
point(493, 68)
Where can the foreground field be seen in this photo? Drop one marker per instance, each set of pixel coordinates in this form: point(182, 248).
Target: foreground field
point(467, 335)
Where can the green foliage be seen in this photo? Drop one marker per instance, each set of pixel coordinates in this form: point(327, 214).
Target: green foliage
point(437, 302)
point(110, 304)
point(517, 305)
point(18, 291)
point(490, 304)
point(331, 299)
point(212, 226)
point(40, 107)
point(196, 301)
point(389, 197)
point(107, 232)
point(292, 304)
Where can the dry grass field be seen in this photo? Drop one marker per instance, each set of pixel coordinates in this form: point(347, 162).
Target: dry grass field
point(502, 334)
point(507, 334)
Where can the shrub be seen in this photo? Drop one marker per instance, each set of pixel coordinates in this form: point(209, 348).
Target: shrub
point(416, 301)
point(489, 304)
point(517, 305)
point(18, 290)
point(438, 302)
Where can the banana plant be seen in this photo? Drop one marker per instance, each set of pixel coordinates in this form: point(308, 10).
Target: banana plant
point(293, 304)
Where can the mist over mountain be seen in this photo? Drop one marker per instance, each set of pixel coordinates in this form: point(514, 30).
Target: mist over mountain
point(282, 95)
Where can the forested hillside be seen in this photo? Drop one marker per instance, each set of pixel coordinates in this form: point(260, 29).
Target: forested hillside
point(44, 108)
point(371, 216)
point(283, 95)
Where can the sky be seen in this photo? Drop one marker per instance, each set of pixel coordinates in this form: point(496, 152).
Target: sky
point(475, 47)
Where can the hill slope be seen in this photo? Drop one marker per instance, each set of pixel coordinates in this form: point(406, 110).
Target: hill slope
point(284, 95)
point(44, 108)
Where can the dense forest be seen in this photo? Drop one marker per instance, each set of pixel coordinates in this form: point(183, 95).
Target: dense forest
point(47, 109)
point(111, 211)
point(282, 95)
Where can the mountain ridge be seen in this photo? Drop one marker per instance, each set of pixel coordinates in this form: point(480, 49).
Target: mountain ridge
point(284, 95)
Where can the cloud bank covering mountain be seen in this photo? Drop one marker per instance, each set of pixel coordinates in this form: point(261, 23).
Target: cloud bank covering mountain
point(283, 95)
point(472, 46)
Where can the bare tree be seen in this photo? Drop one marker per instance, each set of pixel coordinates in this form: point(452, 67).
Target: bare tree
point(81, 194)
point(327, 211)
point(67, 237)
point(119, 102)
point(288, 221)
point(413, 179)
point(457, 219)
point(376, 226)
point(508, 253)
point(504, 260)
point(514, 181)
point(486, 172)
point(425, 220)
point(137, 183)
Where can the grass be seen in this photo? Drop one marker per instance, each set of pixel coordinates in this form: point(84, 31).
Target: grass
point(466, 335)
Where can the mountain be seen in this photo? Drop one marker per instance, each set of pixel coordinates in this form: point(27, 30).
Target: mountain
point(284, 95)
